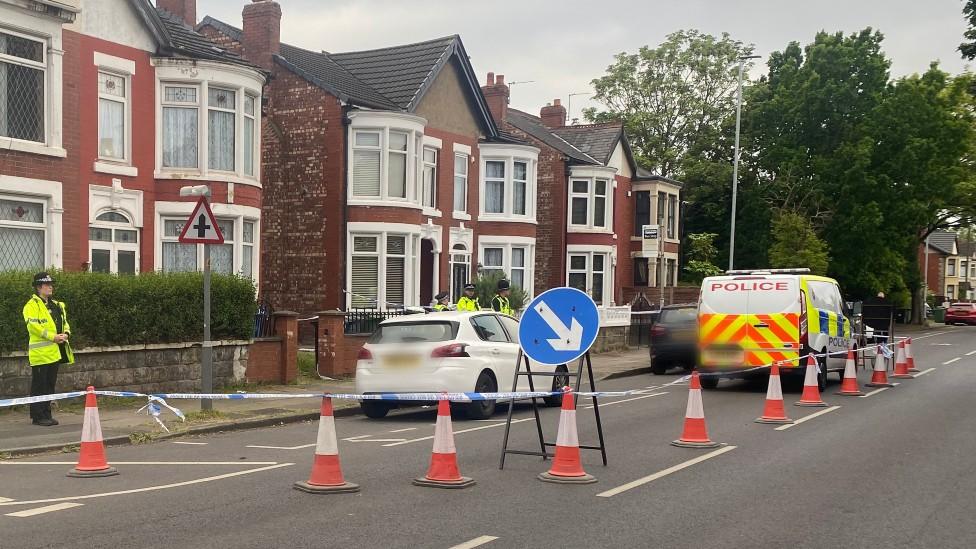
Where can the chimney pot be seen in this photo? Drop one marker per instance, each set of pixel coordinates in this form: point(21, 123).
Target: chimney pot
point(500, 80)
point(554, 115)
point(556, 102)
point(496, 95)
point(491, 79)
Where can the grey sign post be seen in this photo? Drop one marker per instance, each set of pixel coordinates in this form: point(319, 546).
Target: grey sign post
point(202, 228)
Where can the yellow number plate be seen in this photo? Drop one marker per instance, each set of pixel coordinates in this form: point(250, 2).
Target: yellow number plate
point(402, 361)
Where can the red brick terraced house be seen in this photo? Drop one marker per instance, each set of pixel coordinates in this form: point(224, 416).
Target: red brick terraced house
point(594, 201)
point(108, 108)
point(385, 177)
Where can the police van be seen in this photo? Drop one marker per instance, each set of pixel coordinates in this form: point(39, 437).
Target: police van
point(750, 319)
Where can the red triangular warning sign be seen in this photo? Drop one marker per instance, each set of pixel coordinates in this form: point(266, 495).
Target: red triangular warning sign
point(202, 226)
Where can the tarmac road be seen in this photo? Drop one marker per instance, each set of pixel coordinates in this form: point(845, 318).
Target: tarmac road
point(891, 470)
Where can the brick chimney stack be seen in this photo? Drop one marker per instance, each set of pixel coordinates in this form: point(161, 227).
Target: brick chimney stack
point(184, 9)
point(553, 116)
point(262, 32)
point(496, 94)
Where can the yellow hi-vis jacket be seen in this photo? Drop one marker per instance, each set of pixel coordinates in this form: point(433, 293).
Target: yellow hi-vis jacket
point(41, 349)
point(468, 304)
point(502, 305)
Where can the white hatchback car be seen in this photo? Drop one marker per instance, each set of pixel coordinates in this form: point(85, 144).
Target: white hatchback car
point(446, 352)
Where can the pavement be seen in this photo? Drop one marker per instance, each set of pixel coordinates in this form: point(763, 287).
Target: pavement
point(122, 425)
point(892, 469)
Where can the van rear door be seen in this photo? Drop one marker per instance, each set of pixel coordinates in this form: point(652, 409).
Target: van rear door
point(749, 320)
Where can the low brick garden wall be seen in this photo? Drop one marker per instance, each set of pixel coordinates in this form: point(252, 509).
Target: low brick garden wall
point(141, 368)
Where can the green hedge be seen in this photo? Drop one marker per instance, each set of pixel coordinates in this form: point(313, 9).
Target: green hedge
point(107, 310)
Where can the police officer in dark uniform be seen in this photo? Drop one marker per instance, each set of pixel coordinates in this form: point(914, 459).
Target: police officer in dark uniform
point(500, 302)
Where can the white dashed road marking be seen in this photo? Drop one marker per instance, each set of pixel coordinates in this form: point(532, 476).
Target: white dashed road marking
point(514, 421)
point(664, 473)
point(807, 418)
point(190, 443)
point(42, 510)
point(299, 447)
point(590, 407)
point(476, 542)
point(948, 362)
point(923, 372)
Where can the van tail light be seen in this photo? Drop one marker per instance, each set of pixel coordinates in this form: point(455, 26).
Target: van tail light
point(364, 354)
point(658, 330)
point(454, 350)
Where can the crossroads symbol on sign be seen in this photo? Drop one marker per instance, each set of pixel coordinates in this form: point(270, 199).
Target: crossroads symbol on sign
point(201, 227)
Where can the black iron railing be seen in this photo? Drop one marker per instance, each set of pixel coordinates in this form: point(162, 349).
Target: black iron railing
point(263, 321)
point(365, 321)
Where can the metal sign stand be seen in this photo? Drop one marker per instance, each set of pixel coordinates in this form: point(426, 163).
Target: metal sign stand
point(578, 374)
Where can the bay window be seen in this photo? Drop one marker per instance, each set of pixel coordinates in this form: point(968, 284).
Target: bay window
point(511, 256)
point(208, 122)
point(508, 182)
point(234, 256)
point(113, 109)
point(23, 76)
point(382, 270)
point(589, 203)
point(384, 163)
point(520, 186)
point(590, 272)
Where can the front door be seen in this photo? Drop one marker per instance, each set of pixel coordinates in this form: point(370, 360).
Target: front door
point(427, 269)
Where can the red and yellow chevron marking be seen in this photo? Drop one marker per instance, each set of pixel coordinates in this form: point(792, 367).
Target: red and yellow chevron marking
point(762, 345)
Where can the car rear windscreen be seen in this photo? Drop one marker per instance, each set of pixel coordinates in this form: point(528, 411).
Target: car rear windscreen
point(415, 332)
point(685, 315)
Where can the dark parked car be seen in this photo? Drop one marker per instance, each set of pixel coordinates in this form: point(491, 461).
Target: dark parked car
point(674, 338)
point(961, 313)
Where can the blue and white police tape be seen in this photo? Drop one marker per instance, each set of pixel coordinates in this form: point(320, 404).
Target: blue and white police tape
point(411, 397)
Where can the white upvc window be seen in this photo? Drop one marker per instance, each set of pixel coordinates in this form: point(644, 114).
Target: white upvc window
point(383, 161)
point(209, 130)
point(113, 244)
point(590, 204)
point(460, 183)
point(234, 256)
point(430, 178)
point(672, 215)
point(221, 128)
point(113, 117)
point(508, 188)
point(382, 270)
point(181, 126)
point(23, 233)
point(951, 271)
point(511, 256)
point(23, 87)
point(250, 125)
point(590, 272)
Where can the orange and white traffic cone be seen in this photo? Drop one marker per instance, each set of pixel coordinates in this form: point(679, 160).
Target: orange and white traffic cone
point(910, 357)
point(91, 459)
point(811, 390)
point(774, 411)
point(849, 386)
point(879, 377)
point(695, 434)
point(326, 477)
point(901, 366)
point(443, 471)
point(566, 465)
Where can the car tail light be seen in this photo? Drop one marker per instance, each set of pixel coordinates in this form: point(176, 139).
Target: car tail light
point(658, 330)
point(454, 350)
point(364, 354)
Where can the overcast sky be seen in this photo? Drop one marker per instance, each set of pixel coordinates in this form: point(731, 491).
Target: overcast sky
point(562, 45)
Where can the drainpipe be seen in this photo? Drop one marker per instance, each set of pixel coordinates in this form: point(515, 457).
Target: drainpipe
point(344, 246)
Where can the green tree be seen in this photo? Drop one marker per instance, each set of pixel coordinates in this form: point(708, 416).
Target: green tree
point(795, 244)
point(487, 284)
point(968, 49)
point(671, 97)
point(701, 256)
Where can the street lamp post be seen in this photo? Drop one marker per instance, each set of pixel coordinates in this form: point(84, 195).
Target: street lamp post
point(735, 161)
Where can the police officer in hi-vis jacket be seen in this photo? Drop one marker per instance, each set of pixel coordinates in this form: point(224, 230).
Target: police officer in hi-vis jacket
point(48, 347)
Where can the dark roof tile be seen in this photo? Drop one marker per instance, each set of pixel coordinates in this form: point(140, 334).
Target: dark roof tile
point(185, 40)
point(596, 140)
point(942, 241)
point(533, 126)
